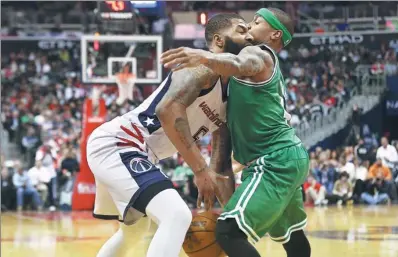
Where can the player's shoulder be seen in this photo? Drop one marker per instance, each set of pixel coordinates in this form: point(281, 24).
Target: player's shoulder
point(263, 52)
point(201, 76)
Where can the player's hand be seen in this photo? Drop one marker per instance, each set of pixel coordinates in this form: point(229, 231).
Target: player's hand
point(184, 57)
point(206, 181)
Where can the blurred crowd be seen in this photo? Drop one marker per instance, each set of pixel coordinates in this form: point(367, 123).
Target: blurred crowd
point(363, 173)
point(42, 103)
point(41, 111)
point(321, 78)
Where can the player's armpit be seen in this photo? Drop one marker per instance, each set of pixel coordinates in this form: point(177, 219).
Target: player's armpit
point(221, 162)
point(184, 89)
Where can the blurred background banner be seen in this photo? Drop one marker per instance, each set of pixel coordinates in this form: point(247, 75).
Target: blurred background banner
point(45, 44)
point(392, 104)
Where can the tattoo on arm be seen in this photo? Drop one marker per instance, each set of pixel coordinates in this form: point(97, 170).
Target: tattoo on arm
point(182, 127)
point(171, 111)
point(250, 61)
point(185, 89)
point(188, 83)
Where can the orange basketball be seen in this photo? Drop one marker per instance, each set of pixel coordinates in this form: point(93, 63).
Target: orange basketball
point(200, 240)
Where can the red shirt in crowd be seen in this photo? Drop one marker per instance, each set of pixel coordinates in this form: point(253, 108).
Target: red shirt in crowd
point(307, 185)
point(330, 101)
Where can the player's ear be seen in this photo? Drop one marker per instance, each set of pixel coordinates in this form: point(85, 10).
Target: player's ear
point(276, 35)
point(218, 41)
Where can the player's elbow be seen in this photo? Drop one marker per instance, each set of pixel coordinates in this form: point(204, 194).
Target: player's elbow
point(161, 112)
point(165, 109)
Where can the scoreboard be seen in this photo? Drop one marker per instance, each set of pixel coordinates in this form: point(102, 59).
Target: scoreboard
point(123, 16)
point(115, 10)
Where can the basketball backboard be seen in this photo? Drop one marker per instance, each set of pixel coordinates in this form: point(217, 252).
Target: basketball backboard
point(102, 56)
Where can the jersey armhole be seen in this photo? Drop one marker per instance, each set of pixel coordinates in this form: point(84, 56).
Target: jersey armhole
point(266, 82)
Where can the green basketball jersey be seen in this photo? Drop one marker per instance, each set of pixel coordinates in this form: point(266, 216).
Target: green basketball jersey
point(257, 118)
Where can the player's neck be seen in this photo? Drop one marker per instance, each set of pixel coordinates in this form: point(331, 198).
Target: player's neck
point(276, 46)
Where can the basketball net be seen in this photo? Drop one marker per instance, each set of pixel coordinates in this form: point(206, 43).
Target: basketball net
point(125, 82)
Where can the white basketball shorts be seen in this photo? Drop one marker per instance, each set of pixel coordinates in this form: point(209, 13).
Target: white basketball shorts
point(126, 179)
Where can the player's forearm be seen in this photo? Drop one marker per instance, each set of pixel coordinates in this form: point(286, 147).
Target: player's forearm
point(175, 124)
point(227, 64)
point(221, 162)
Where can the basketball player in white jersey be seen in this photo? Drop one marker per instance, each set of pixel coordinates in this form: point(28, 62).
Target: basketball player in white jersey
point(123, 153)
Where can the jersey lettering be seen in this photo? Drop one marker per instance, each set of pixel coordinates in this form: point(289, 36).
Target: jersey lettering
point(202, 131)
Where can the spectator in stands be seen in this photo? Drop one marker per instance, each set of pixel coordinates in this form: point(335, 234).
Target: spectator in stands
point(377, 67)
point(296, 71)
point(376, 192)
point(313, 163)
point(333, 159)
point(24, 188)
point(387, 153)
point(369, 138)
point(8, 193)
point(342, 190)
point(348, 167)
point(362, 151)
point(47, 158)
point(30, 143)
point(326, 176)
point(378, 169)
point(39, 177)
point(361, 174)
point(391, 67)
point(69, 167)
point(11, 123)
point(315, 193)
point(382, 172)
point(355, 123)
point(349, 154)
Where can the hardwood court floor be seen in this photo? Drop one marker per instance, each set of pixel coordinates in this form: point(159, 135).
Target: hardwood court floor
point(347, 231)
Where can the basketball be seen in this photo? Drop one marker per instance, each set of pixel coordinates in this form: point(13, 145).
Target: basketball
point(200, 240)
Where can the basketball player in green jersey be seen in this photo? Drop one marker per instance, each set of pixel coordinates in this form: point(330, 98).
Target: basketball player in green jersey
point(269, 199)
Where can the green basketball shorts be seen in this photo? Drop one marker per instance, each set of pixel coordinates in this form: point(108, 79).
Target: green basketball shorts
point(269, 200)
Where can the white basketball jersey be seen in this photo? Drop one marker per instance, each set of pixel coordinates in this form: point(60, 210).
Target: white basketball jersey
point(205, 115)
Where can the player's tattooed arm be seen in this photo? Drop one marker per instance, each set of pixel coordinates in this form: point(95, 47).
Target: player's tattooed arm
point(251, 61)
point(171, 111)
point(221, 162)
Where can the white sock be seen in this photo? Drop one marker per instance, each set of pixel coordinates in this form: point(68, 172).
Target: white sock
point(173, 217)
point(120, 243)
point(114, 245)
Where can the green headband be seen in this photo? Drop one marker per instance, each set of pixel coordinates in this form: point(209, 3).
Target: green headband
point(276, 24)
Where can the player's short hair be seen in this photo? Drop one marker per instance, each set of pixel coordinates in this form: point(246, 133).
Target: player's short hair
point(284, 18)
point(217, 23)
